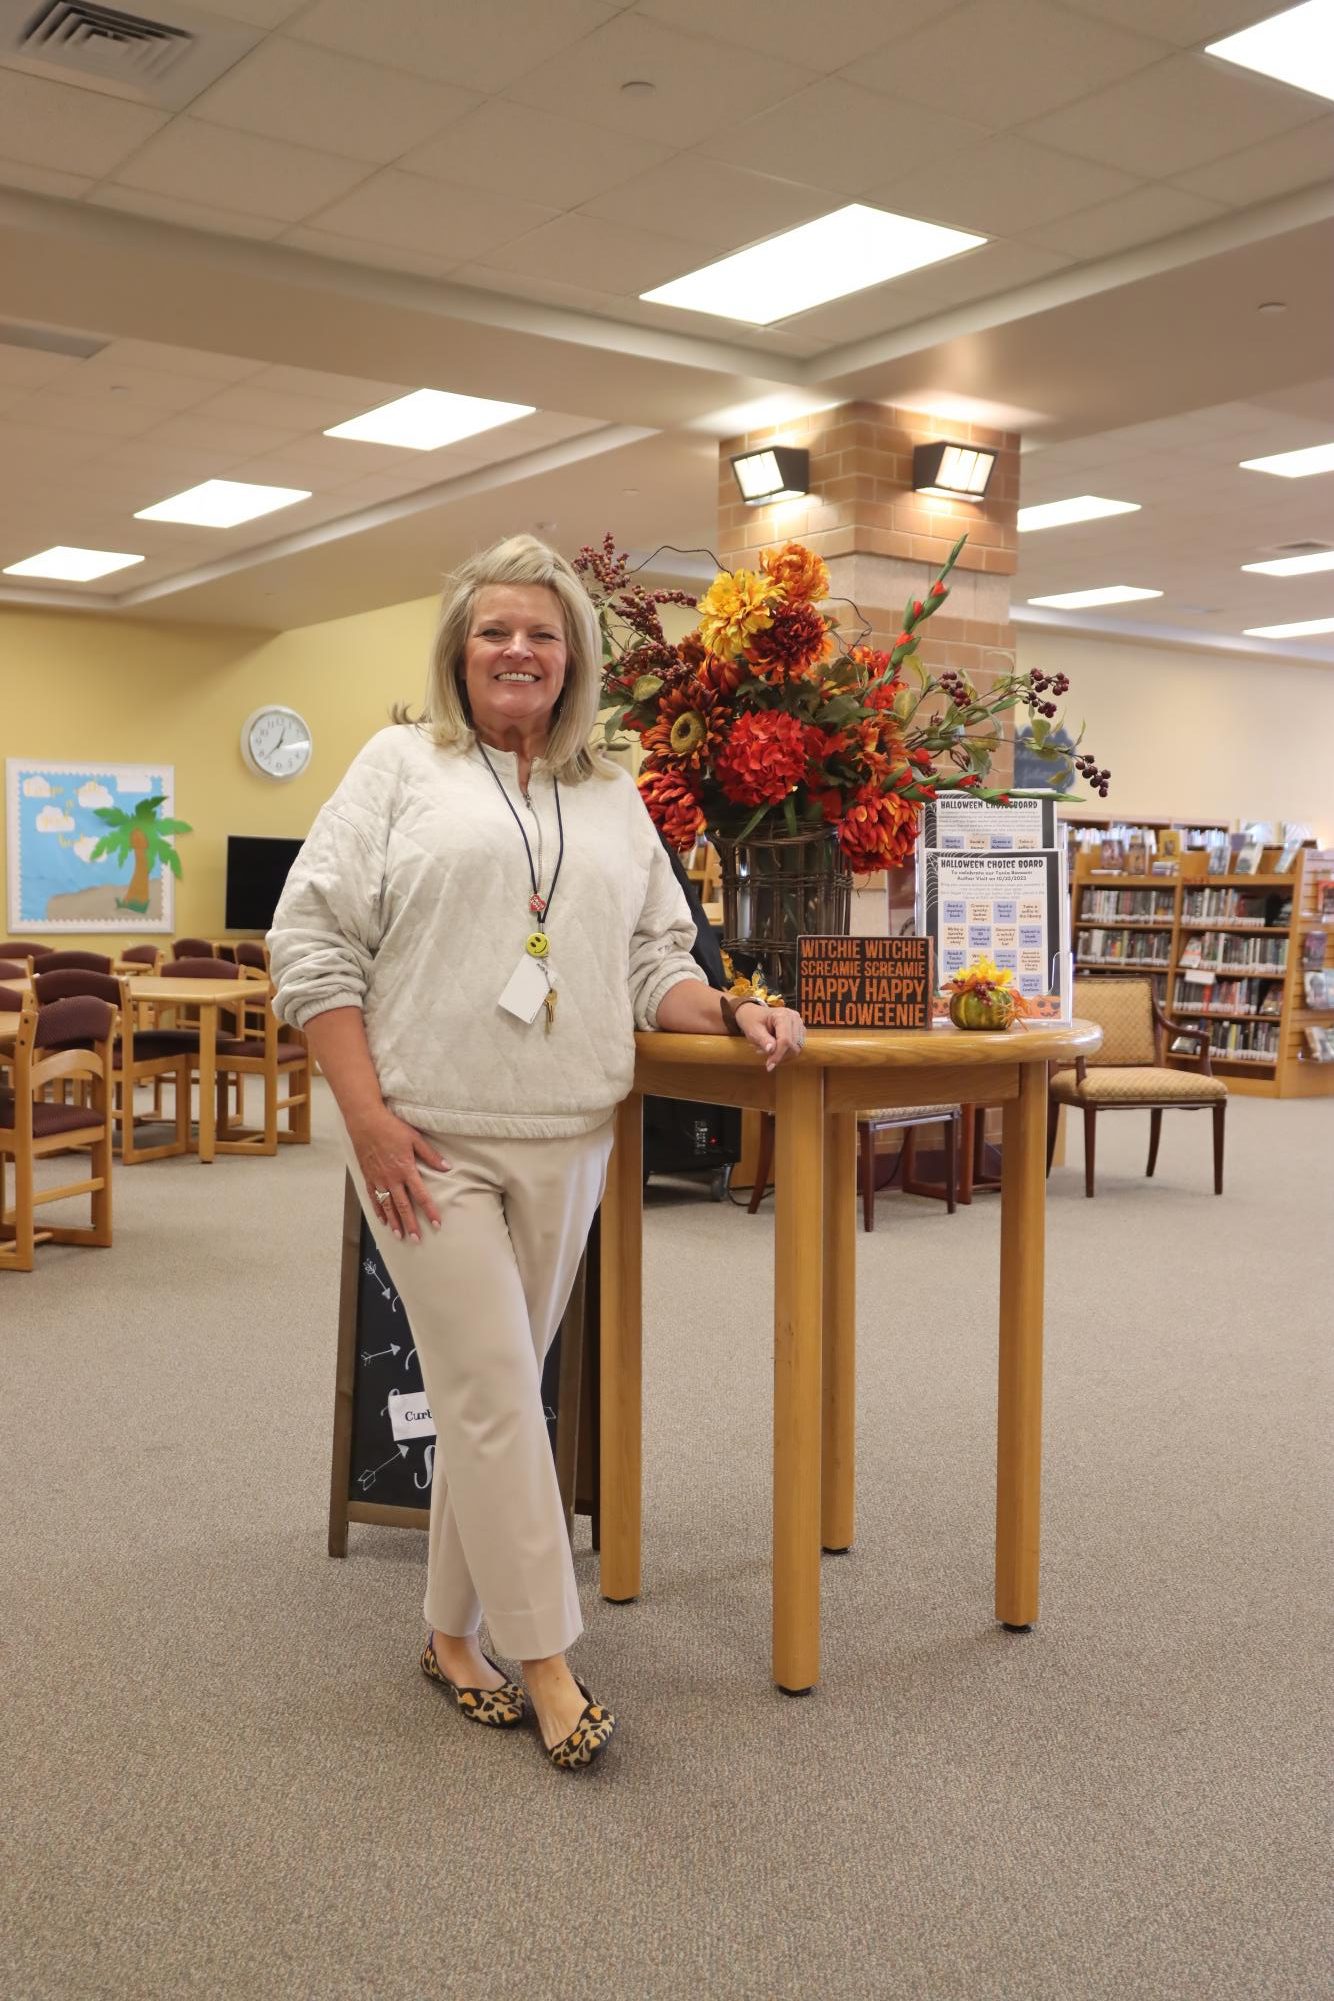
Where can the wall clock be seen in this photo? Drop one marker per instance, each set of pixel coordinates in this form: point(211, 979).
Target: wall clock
point(275, 742)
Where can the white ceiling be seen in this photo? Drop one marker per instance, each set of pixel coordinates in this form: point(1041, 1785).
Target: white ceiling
point(461, 194)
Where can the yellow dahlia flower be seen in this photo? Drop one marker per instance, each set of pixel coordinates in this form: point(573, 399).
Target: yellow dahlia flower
point(736, 604)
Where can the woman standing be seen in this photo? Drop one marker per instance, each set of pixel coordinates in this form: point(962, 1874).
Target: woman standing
point(481, 917)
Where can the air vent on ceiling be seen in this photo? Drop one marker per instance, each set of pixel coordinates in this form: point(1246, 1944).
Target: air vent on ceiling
point(1303, 548)
point(163, 55)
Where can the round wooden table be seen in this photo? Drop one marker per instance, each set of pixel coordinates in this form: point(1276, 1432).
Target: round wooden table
point(815, 1100)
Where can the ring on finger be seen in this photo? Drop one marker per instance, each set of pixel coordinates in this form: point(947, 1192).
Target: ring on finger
point(380, 1194)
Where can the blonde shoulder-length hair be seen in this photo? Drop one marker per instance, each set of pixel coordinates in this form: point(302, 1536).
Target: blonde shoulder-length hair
point(445, 716)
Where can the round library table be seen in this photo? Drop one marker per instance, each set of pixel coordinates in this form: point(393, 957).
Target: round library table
point(207, 997)
point(815, 1099)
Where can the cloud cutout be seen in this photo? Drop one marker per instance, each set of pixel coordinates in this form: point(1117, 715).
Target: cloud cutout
point(52, 820)
point(37, 788)
point(84, 846)
point(94, 794)
point(128, 781)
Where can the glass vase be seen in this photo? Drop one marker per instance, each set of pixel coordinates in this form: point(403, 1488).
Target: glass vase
point(776, 890)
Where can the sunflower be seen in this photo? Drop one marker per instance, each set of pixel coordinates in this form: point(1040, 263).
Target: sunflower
point(797, 572)
point(736, 604)
point(686, 733)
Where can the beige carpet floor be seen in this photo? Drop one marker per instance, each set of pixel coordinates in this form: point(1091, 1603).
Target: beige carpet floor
point(223, 1776)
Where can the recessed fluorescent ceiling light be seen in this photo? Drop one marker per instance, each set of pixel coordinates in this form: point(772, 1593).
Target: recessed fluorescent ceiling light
point(1294, 465)
point(1306, 628)
point(826, 259)
point(1059, 513)
point(1295, 47)
point(222, 503)
point(1079, 600)
point(1294, 566)
point(72, 566)
point(429, 418)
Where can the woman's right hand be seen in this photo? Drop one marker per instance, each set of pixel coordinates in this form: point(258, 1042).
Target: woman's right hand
point(387, 1150)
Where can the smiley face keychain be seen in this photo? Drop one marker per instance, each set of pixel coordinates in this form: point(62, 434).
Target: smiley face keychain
point(537, 945)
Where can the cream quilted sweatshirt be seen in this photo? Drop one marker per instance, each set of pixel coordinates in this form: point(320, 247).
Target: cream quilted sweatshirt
point(409, 900)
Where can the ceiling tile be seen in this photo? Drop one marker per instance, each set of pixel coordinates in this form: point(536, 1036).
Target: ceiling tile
point(185, 214)
point(336, 103)
point(1142, 216)
point(192, 161)
point(698, 85)
point(834, 135)
point(1003, 187)
point(246, 403)
point(394, 208)
point(43, 180)
point(992, 268)
point(215, 434)
point(75, 131)
point(580, 250)
point(1184, 22)
point(342, 388)
point(711, 203)
point(24, 368)
point(149, 354)
point(92, 416)
point(1002, 61)
point(1275, 167)
point(515, 149)
point(259, 13)
point(481, 44)
point(1170, 118)
point(42, 447)
point(877, 309)
point(322, 463)
point(843, 31)
point(112, 374)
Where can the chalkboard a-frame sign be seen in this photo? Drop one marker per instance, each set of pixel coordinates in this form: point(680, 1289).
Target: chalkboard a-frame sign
point(377, 1476)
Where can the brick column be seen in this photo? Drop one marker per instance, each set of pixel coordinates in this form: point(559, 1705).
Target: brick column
point(884, 543)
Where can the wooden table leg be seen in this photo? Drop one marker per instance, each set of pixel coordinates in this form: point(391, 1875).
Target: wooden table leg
point(1019, 1404)
point(622, 1357)
point(838, 1442)
point(208, 1077)
point(798, 1314)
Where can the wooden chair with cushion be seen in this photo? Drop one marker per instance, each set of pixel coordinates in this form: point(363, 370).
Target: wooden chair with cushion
point(143, 958)
point(1130, 1072)
point(907, 1121)
point(22, 949)
point(72, 962)
point(196, 948)
point(69, 1039)
point(10, 972)
point(278, 1055)
point(138, 1057)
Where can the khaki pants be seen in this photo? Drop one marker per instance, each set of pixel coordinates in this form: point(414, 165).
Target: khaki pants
point(484, 1295)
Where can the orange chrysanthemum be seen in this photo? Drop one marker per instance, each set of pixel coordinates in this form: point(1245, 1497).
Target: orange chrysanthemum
point(877, 830)
point(686, 733)
point(736, 605)
point(764, 758)
point(798, 572)
point(797, 641)
point(673, 807)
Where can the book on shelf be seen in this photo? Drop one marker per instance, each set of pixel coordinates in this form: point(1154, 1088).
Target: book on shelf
point(1192, 952)
point(1112, 854)
point(1169, 844)
point(1247, 859)
point(1313, 949)
point(1319, 989)
point(1320, 1045)
point(1137, 855)
point(1287, 861)
point(1218, 852)
point(1325, 901)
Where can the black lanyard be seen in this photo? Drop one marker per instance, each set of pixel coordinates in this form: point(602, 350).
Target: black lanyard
point(539, 905)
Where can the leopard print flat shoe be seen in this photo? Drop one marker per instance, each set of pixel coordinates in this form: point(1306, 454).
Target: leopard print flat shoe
point(501, 1708)
point(589, 1737)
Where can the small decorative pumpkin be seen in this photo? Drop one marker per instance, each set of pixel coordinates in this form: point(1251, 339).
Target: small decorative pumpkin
point(983, 1007)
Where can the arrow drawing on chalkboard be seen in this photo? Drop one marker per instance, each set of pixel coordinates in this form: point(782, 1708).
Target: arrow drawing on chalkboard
point(367, 1479)
point(372, 1270)
point(392, 1349)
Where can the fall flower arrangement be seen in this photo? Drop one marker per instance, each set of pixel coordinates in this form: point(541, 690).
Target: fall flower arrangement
point(984, 996)
point(763, 720)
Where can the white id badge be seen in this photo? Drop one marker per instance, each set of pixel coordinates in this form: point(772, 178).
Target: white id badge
point(527, 990)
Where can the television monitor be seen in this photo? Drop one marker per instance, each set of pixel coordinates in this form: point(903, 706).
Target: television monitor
point(257, 868)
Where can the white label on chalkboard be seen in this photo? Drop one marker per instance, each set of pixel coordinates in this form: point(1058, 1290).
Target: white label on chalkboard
point(410, 1416)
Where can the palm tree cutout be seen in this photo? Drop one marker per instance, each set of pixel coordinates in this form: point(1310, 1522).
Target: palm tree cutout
point(139, 834)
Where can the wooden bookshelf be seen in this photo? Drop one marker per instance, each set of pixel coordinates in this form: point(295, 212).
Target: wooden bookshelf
point(1110, 909)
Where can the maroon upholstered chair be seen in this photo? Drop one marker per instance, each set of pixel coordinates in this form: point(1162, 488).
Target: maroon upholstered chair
point(192, 948)
point(146, 956)
point(12, 972)
point(205, 967)
point(250, 952)
point(83, 962)
point(69, 1040)
point(139, 1056)
point(22, 948)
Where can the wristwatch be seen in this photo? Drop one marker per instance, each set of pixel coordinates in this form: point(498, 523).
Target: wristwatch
point(730, 1007)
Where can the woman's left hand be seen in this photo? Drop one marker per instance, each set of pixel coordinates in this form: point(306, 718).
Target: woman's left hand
point(777, 1032)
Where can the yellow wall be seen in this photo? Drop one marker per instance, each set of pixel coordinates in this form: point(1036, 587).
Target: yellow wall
point(1195, 735)
point(76, 686)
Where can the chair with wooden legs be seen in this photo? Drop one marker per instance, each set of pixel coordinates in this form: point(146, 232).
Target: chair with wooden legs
point(76, 1036)
point(278, 1055)
point(138, 1057)
point(70, 962)
point(1130, 1073)
point(23, 950)
point(10, 971)
point(907, 1121)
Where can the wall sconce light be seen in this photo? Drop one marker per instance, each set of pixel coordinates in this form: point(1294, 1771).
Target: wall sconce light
point(952, 472)
point(783, 472)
